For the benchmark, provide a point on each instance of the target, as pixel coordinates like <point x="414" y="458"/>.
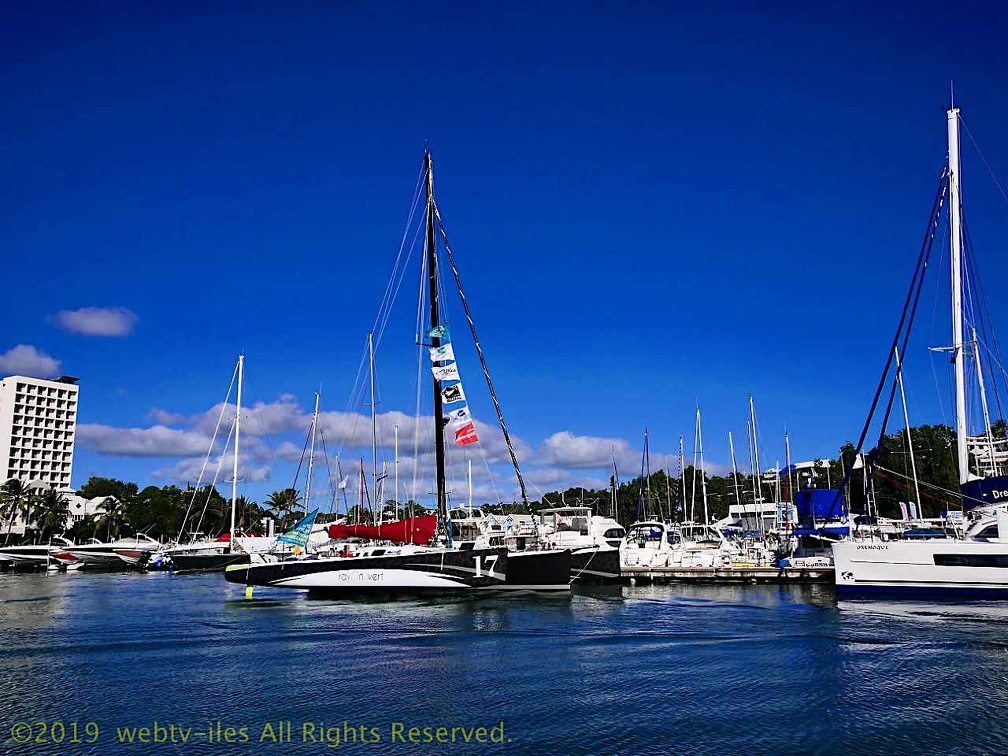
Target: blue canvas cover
<point x="820" y="504"/>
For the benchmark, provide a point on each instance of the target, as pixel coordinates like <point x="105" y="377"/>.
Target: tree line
<point x="169" y="512"/>
<point x="883" y="476"/>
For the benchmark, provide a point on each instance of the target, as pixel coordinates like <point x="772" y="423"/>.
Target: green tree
<point x="26" y="505"/>
<point x="54" y="510"/>
<point x="11" y="496"/>
<point x="112" y="518"/>
<point x="358" y="515"/>
<point x="96" y="486"/>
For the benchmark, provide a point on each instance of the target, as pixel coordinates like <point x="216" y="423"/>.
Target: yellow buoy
<point x="248" y="591"/>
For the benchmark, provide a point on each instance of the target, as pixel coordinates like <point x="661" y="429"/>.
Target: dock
<point x="752" y="575"/>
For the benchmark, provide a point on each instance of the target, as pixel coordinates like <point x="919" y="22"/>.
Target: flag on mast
<point x="442" y="353"/>
<point x="466" y="435"/>
<point x="453" y="393"/>
<point x="445" y="372"/>
<point x="460" y="417"/>
<point x="440" y="332"/>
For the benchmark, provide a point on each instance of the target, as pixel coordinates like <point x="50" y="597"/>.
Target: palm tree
<point x="55" y="511"/>
<point x="282" y="503"/>
<point x="113" y="518"/>
<point x="10" y="502"/>
<point x="24" y="505"/>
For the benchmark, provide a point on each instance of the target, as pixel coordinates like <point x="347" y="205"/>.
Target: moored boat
<point x="436" y="566"/>
<point x="976" y="564"/>
<point x="37" y="555"/>
<point x="124" y="552"/>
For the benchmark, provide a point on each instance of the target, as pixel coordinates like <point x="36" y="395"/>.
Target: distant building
<point x="38" y="424"/>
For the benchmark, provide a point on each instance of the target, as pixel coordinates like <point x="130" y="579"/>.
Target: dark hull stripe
<point x="482" y="569"/>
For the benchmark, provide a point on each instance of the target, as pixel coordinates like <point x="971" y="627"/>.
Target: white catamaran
<point x="976" y="565"/>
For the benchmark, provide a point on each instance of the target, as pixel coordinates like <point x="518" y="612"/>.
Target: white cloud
<point x="261" y="419"/>
<point x="157" y="441"/>
<point x="288" y="452"/>
<point x="164" y="417"/>
<point x="187" y="471"/>
<point x="25" y="359"/>
<point x="564" y="449"/>
<point x="96" y="321"/>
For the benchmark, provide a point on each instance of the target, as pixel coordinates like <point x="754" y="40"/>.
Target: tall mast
<point x="615" y="479"/>
<point x="647" y="458"/>
<point x="787" y="464"/>
<point x="703" y="474"/>
<point x="734" y="472"/>
<point x="783" y="511"/>
<point x="993" y="468"/>
<point x="234" y="472"/>
<point x="668" y="490"/>
<point x="374" y="421"/>
<point x="955" y="210"/>
<point x="435" y="321"/>
<point x="397" y="471"/>
<point x="311" y="453"/>
<point x="682" y="473"/>
<point x="909" y="440"/>
<point x="696" y="444"/>
<point x="758" y="483"/>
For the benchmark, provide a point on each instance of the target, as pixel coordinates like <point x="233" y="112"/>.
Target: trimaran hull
<point x="595" y="565"/>
<point x="431" y="571"/>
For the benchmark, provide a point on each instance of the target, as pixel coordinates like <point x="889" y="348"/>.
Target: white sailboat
<point x="975" y="565"/>
<point x="214" y="556"/>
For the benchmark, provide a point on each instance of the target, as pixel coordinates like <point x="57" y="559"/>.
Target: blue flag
<point x="298" y="535"/>
<point x="441" y="332"/>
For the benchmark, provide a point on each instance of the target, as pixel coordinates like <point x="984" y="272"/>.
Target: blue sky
<point x="654" y="206"/>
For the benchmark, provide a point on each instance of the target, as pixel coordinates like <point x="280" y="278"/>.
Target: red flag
<point x="466" y="435"/>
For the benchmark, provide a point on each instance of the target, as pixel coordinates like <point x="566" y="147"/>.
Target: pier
<point x="738" y="574"/>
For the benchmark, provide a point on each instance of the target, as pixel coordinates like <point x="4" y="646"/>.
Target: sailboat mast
<point x="435" y="321"/>
<point x="682" y="474"/>
<point x="647" y="457"/>
<point x="993" y="469"/>
<point x="311" y="454"/>
<point x="758" y="481"/>
<point x="703" y="474"/>
<point x="234" y="471"/>
<point x="615" y="480"/>
<point x="668" y="490"/>
<point x="955" y="215"/>
<point x="374" y="422"/>
<point x="734" y="472"/>
<point x="397" y="471"/>
<point x="909" y="440"/>
<point x="790" y="480"/>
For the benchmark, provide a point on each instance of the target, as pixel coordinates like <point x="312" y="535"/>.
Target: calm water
<point x="678" y="669"/>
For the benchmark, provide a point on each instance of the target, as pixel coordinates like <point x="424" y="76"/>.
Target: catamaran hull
<point x="936" y="567"/>
<point x="441" y="570"/>
<point x="595" y="565"/>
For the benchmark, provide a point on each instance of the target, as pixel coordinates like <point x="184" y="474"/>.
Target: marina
<point x="603" y="670"/>
<point x="604" y="379"/>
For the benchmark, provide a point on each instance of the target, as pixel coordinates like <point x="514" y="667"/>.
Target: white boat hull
<point x="934" y="566"/>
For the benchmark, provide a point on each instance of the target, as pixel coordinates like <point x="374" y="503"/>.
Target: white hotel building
<point x="38" y="423"/>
